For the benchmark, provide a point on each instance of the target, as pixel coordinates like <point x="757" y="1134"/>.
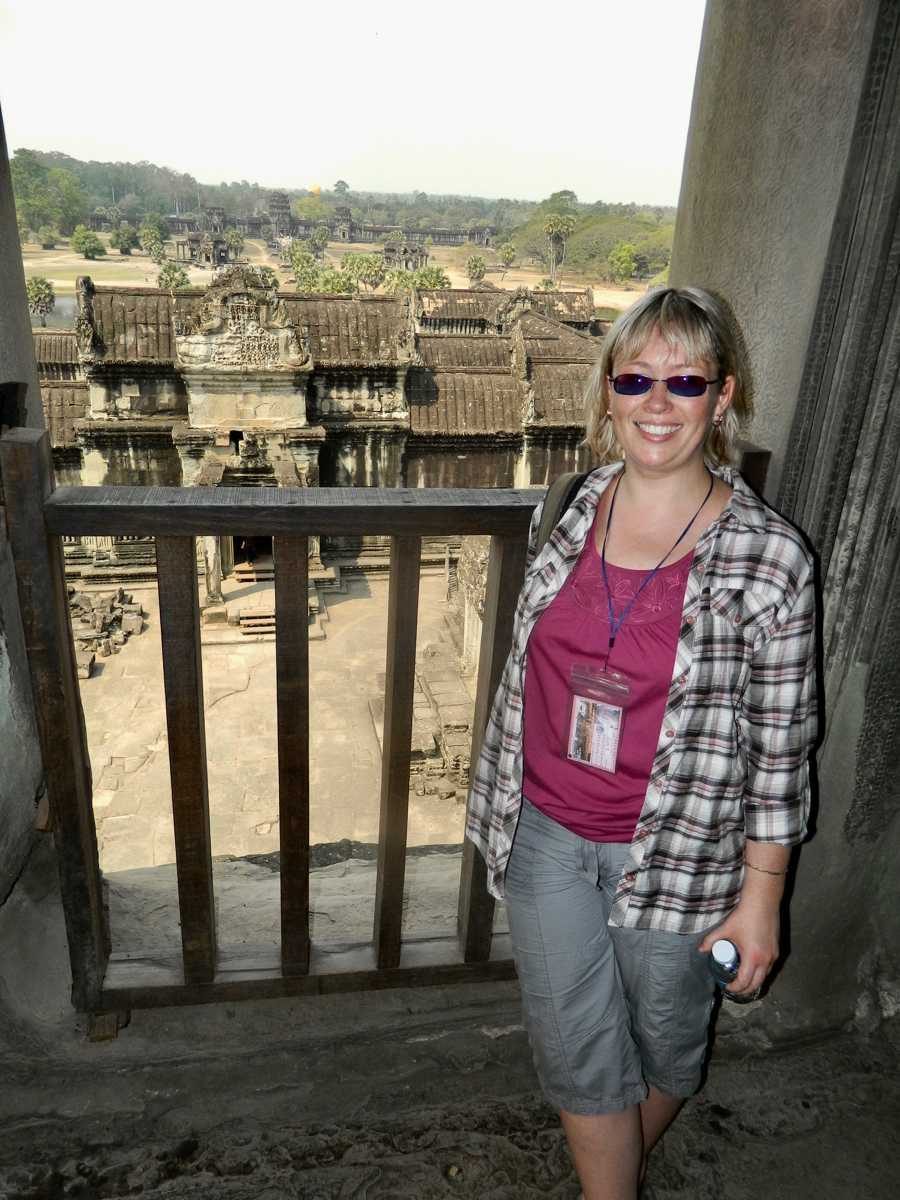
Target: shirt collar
<point x="745" y="506"/>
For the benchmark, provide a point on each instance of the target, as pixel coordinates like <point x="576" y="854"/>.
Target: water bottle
<point x="724" y="961"/>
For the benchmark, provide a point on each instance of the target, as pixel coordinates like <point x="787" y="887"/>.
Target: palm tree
<point x="41" y="297"/>
<point x="558" y="229"/>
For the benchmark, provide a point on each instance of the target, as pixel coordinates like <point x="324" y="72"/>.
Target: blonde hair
<point x="704" y="327"/>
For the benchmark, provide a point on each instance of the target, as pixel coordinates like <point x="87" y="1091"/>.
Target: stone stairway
<point x="258" y="622"/>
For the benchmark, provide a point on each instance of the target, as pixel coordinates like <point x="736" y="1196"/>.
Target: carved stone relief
<point x="240" y="324"/>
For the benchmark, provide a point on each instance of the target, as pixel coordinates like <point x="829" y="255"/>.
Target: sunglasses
<point x="686" y="386"/>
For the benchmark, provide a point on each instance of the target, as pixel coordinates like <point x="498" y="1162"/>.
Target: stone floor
<point x="124" y="713"/>
<point x="418" y="1094"/>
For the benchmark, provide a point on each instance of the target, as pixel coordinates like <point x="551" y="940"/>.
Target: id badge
<point x="597" y="702"/>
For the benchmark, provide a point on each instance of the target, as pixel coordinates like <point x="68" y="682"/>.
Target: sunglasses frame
<point x="667" y="381"/>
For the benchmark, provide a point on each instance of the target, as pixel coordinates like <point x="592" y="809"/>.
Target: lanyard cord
<point x="615" y="624"/>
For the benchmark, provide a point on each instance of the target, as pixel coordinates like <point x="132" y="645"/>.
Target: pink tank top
<point x="574" y="628"/>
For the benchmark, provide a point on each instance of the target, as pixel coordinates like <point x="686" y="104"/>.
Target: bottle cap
<point x="724" y="952"/>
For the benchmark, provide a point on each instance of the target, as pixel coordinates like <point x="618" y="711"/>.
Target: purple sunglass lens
<point x="632" y="384"/>
<point x="686" y="385"/>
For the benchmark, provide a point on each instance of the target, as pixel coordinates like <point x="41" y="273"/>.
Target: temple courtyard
<point x="125" y="718"/>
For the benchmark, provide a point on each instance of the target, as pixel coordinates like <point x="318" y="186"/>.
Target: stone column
<point x="777" y="91"/>
<point x="789" y="207"/>
<point x="192" y="446"/>
<point x="20" y="404"/>
<point x="303" y="445"/>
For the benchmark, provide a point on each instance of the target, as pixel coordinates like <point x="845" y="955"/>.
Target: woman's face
<point x="659" y="432"/>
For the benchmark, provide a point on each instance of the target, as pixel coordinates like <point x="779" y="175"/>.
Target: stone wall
<point x="789" y="208"/>
<point x="21" y="777"/>
<point x="775" y="102"/>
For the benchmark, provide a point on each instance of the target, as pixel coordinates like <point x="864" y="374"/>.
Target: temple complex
<point x="404" y="255"/>
<point x="279" y="222"/>
<point x="237" y="383"/>
<point x="203" y="249"/>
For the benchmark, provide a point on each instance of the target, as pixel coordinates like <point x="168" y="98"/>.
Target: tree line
<point x="56" y="196"/>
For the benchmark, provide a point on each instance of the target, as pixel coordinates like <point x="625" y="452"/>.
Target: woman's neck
<point x="663" y="492"/>
<point x="650" y="510"/>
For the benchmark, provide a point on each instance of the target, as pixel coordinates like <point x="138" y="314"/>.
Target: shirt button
<point x="737" y="620"/>
<point x="630" y="876"/>
<point x="670" y="733"/>
<point x="688" y="620"/>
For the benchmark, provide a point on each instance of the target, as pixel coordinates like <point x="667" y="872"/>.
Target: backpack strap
<point x="560" y="494"/>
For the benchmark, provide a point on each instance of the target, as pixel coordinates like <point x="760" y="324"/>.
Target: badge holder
<point x="598" y="699"/>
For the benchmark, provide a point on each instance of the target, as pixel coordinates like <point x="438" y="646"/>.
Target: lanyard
<point x="616" y="623"/>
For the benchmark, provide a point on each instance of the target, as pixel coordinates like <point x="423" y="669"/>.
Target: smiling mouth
<point x="656" y="430"/>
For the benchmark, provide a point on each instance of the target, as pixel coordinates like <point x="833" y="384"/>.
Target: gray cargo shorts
<point x="608" y="1011"/>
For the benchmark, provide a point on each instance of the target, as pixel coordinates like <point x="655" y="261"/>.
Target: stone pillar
<point x="192" y="446"/>
<point x="302" y="445"/>
<point x="789" y="207"/>
<point x="777" y="91"/>
<point x="20" y="398"/>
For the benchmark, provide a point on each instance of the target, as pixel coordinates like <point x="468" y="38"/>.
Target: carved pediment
<point x="239" y="325"/>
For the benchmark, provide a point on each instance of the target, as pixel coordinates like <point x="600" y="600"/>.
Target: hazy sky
<point x="489" y="98"/>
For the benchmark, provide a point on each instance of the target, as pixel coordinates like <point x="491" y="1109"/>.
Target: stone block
<point x="214" y="614"/>
<point x="84" y="665"/>
<point x="455" y="716"/>
<point x="132" y="623"/>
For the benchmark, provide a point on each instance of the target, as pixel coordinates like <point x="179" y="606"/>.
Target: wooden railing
<point x="40" y="516"/>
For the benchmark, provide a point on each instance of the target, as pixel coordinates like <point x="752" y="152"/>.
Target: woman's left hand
<point x="754" y="927"/>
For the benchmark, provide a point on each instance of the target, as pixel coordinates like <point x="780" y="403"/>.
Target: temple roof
<point x="452" y="403"/>
<point x="558" y="391"/>
<point x="134" y="324"/>
<point x="460" y="304"/>
<point x="577" y="307"/>
<point x="549" y="338"/>
<point x="54" y="346"/>
<point x="349" y="330"/>
<point x="527" y="367"/>
<point x="464" y="350"/>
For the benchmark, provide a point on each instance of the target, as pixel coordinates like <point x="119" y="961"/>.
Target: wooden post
<point x="28" y="476"/>
<point x="179" y="620"/>
<point x="403" y="605"/>
<point x="506" y="569"/>
<point x="292" y="683"/>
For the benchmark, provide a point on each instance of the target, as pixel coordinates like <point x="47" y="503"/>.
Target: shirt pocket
<point x="735" y="624"/>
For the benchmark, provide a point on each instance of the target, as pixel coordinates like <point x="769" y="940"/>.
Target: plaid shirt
<point x="731" y="762"/>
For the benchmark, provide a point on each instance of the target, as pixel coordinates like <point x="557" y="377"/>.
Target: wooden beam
<point x="403" y="611"/>
<point x="506" y="570"/>
<point x="179" y="619"/>
<point x="254" y="973"/>
<point x="28" y="475"/>
<point x="292" y="685"/>
<point x="297" y="512"/>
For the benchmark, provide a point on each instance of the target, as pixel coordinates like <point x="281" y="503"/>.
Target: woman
<point x="644" y="771"/>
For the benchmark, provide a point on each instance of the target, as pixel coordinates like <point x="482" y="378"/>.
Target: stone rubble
<point x="101" y="624"/>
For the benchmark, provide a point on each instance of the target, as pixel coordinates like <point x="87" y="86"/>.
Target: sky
<point x="483" y="98"/>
